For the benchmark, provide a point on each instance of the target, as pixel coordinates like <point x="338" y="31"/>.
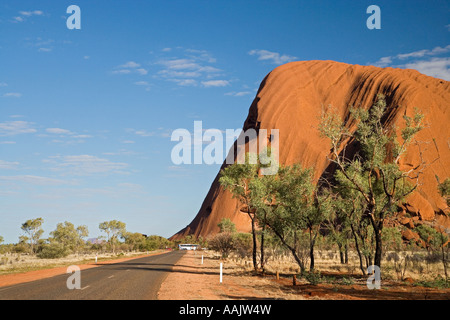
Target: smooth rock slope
<point x="291" y="99"/>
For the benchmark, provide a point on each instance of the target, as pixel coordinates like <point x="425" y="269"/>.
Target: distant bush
<point x="223" y="243"/>
<point x="313" y="277"/>
<point x="243" y="244"/>
<point x="438" y="282"/>
<point x="53" y="251"/>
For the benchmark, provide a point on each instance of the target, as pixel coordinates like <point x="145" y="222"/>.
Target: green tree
<point x="136" y="240"/>
<point x="226" y="225"/>
<point x="33" y="228"/>
<point x="435" y="241"/>
<point x="113" y="229"/>
<point x="290" y="206"/>
<point x="374" y="171"/>
<point x="236" y="178"/>
<point x="70" y="237"/>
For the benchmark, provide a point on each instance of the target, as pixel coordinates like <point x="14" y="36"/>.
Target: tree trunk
<point x="294" y="253"/>
<point x="262" y="248"/>
<point x="378" y="247"/>
<point x="346" y="254"/>
<point x="444" y="262"/>
<point x="312" y="241"/>
<point x="357" y="250"/>
<point x="377" y="227"/>
<point x="341" y="254"/>
<point x="255" y="263"/>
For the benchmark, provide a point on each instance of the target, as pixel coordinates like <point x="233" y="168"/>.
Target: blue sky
<point x="86" y="115"/>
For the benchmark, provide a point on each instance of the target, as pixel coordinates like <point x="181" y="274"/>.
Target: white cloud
<point x="216" y="83"/>
<point x="190" y="68"/>
<point x="45" y="49"/>
<point x="81" y="136"/>
<point x="182" y="64"/>
<point x="422" y="61"/>
<point x="10" y="128"/>
<point x="7" y="142"/>
<point x="35" y="180"/>
<point x="3" y="84"/>
<point x="12" y="95"/>
<point x="141" y="71"/>
<point x="385" y="61"/>
<point x="144" y="133"/>
<point x="58" y="131"/>
<point x="123" y="71"/>
<point x="83" y="165"/>
<point x="436" y="67"/>
<point x="67" y="136"/>
<point x="238" y="94"/>
<point x="185" y="82"/>
<point x="130" y="67"/>
<point x="130" y="64"/>
<point x="273" y="57"/>
<point x="27" y="14"/>
<point x="31" y="13"/>
<point x="8" y="164"/>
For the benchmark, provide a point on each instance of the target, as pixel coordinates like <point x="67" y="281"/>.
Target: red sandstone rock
<point x="291" y="99"/>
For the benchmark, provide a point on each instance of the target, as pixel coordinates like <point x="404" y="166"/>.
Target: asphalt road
<point x="137" y="279"/>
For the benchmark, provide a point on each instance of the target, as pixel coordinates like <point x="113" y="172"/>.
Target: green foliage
<point x="438" y="282"/>
<point x="392" y="237"/>
<point x="33" y="228"/>
<point x="52" y="250"/>
<point x="432" y="238"/>
<point x="242" y="244"/>
<point x="70" y="237"/>
<point x="113" y="229"/>
<point x="313" y="277"/>
<point x="237" y="177"/>
<point x="226" y="225"/>
<point x="135" y="240"/>
<point x="444" y="190"/>
<point x="370" y="181"/>
<point x="155" y="242"/>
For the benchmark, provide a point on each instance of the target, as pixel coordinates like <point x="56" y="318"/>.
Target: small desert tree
<point x="70" y="237"/>
<point x="290" y="206"/>
<point x="113" y="230"/>
<point x="226" y="225"/>
<point x="33" y="228"/>
<point x="374" y="172"/>
<point x="237" y="178"/>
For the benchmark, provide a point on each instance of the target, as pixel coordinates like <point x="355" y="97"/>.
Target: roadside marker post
<point x="221" y="268"/>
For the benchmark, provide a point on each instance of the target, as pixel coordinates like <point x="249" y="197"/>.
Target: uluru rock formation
<point x="291" y="98"/>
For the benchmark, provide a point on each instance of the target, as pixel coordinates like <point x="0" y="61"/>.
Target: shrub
<point x="438" y="282"/>
<point x="53" y="251"/>
<point x="222" y="243"/>
<point x="313" y="277"/>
